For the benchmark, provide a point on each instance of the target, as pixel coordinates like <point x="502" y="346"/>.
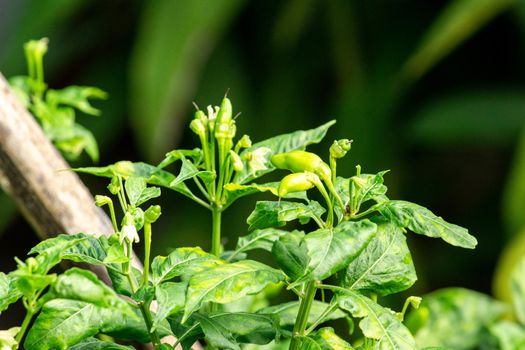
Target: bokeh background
<point x="433" y="90"/>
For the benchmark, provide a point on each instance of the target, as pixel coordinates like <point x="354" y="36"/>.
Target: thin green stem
<point x="201" y="188"/>
<point x="147" y="250"/>
<point x="368" y="211"/>
<point x="330" y="217"/>
<point x="113" y="217"/>
<point x="216" y="230"/>
<point x="25" y="324"/>
<point x="321" y="317"/>
<point x="302" y="316"/>
<point x="144" y="308"/>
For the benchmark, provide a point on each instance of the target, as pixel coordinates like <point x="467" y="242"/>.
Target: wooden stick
<point x="32" y="171"/>
<point x="52" y="200"/>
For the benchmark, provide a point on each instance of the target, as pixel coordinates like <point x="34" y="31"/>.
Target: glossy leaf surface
<point x="228" y="282"/>
<point x="422" y="221"/>
<point x="378" y="323"/>
<point x="259" y="239"/>
<point x="170" y="298"/>
<point x="385" y="266"/>
<point x="331" y="250"/>
<point x="291" y="253"/>
<point x="324" y="339"/>
<point x="181" y="261"/>
<point x="276" y="214"/>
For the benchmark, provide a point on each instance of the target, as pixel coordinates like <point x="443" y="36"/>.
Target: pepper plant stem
<point x="216" y="230"/>
<point x="144" y="308"/>
<point x="302" y="315"/>
<point x="27" y="319"/>
<point x="147" y="250"/>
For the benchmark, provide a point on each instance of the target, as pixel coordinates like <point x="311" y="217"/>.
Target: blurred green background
<point x="433" y="90"/>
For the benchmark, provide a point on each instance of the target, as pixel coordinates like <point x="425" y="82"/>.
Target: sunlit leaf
<point x="331" y="250"/>
<point x="385" y="266"/>
<point x="278" y="213"/>
<point x="378" y="323"/>
<point x="181" y="261"/>
<point x="422" y="221"/>
<point x="228" y="282"/>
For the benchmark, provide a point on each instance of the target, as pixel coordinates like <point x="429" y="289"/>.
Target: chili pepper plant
<point x="337" y="241"/>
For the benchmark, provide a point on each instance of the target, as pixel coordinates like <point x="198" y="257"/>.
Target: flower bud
<point x="114" y="186"/>
<point x="152" y="214"/>
<point x="236" y="161"/>
<point x="101" y="201"/>
<point x="244" y="142"/>
<point x="198" y="127"/>
<point x="340" y="147"/>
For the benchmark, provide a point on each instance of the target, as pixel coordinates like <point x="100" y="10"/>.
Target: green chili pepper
<point x="298" y="161"/>
<point x="297" y="182"/>
<point x="223" y="122"/>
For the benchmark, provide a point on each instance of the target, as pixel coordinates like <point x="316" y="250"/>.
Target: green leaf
<point x="167" y="59"/>
<point x="324" y="339"/>
<point x="275" y="214"/>
<point x="228" y="330"/>
<point x="7" y="338"/>
<point x="216" y="334"/>
<point x="115" y="254"/>
<point x="228" y="282"/>
<point x="331" y="250"/>
<point x="79" y="247"/>
<point x="378" y="323"/>
<point x="181" y="261"/>
<point x="152" y="174"/>
<point x="458" y="21"/>
<point x="170" y="298"/>
<point x="518" y="291"/>
<point x="96" y="344"/>
<point x="31" y="283"/>
<point x="137" y="191"/>
<point x="385" y="266"/>
<point x="510" y="336"/>
<point x="77" y="97"/>
<point x="9" y="293"/>
<point x="173" y="156"/>
<point x="120" y="283"/>
<point x="188" y="333"/>
<point x="83" y="285"/>
<point x="287" y="312"/>
<point x="63" y="323"/>
<point x="453" y="317"/>
<point x="297" y="140"/>
<point x="367" y="187"/>
<point x="233" y="191"/>
<point x="291" y="253"/>
<point x="259" y="239"/>
<point x="422" y="221"/>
